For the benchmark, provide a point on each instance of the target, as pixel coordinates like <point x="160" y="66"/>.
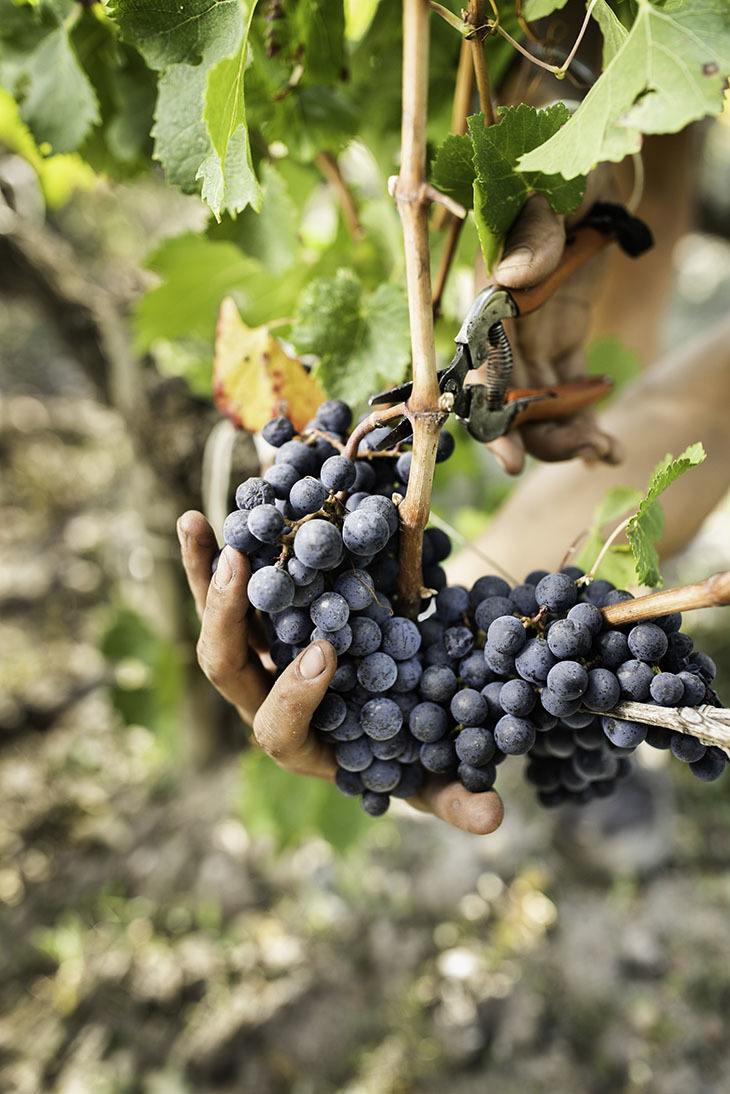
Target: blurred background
<point x="178" y="915"/>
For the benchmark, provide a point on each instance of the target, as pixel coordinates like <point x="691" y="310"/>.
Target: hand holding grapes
<point x="280" y="710"/>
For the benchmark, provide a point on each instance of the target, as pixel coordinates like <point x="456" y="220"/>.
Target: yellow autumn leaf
<point x="254" y="379"/>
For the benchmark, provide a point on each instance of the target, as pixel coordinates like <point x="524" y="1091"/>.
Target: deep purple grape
<point x="648" y="642"/>
<point x="635" y="679"/>
<point x="514" y="736"/>
<point x="556" y="592"/>
<point x="271" y="590"/>
<point x="666" y="689"/>
<point x="439" y="757"/>
<point x="236" y="533"/>
<point x="475" y="745"/>
<point x="377" y="672"/>
<point x="278" y="431"/>
<point x="476" y="780"/>
<point x="428" y="722"/>
<point x="686" y="748"/>
<point x="254" y="491"/>
<point x="374" y="804"/>
<point x="517" y="697"/>
<point x="438" y="684"/>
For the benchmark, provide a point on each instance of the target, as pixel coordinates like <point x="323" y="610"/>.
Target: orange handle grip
<point x="579" y="248"/>
<point x="562" y="399"/>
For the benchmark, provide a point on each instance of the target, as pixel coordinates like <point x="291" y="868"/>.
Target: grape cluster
<point x="483" y="674"/>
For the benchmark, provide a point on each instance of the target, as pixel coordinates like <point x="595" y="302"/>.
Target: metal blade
<point x="396" y="436"/>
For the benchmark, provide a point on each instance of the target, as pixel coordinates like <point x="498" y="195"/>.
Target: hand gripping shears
<point x="492" y="408"/>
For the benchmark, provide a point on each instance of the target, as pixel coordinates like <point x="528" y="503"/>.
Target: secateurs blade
<point x="492" y="408"/>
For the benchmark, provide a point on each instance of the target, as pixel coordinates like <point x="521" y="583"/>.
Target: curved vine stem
<point x="714" y="592"/>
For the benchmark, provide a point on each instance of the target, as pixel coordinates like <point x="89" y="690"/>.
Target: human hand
<point x="279" y="709"/>
<point x="548" y="345"/>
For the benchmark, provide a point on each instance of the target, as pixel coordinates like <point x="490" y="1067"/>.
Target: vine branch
<point x="412" y="199"/>
<point x="330" y="168"/>
<point x="712" y="593"/>
<point x="708" y="724"/>
<point x="472" y="53"/>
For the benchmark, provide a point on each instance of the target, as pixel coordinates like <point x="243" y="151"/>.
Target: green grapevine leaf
<point x="200" y="131"/>
<point x="452" y="170"/>
<point x="196" y="274"/>
<point x="59" y="176"/>
<point x="181" y="139"/>
<point x="169" y="32"/>
<point x="272" y="235"/>
<point x="645" y="527"/>
<point x="227" y="172"/>
<point x="321" y="25"/>
<point x="617" y="565"/>
<point x="502" y="187"/>
<point x="40" y="66"/>
<point x="613" y="31"/>
<point x="670" y="70"/>
<point x="59" y="104"/>
<point x="361" y="340"/>
<point x="538" y="9"/>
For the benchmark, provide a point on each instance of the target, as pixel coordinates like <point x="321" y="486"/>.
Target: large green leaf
<point x="500" y="187"/>
<point x="39" y="64"/>
<point x="361" y="339"/>
<point x="196" y="274"/>
<point x="670" y="70"/>
<point x="452" y="170"/>
<point x="181" y="139"/>
<point x="497" y="151"/>
<point x="613" y="31"/>
<point x="227" y="174"/>
<point x="169" y="32"/>
<point x="200" y="47"/>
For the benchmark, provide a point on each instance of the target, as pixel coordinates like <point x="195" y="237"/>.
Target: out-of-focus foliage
<point x="259" y="107"/>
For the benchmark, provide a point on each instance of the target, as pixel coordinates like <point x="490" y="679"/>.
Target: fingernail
<point x="520" y="256"/>
<point x="224" y="570"/>
<point x="312" y="663"/>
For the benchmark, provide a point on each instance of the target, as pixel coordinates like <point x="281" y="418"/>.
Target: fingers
<point x="281" y="725"/>
<point x="223" y="650"/>
<point x="509" y="452"/>
<point x="198" y="546"/>
<point x="479" y="814"/>
<point x="534" y="246"/>
<point x="578" y="436"/>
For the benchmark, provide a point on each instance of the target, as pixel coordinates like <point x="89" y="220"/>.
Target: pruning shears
<point x="493" y="408"/>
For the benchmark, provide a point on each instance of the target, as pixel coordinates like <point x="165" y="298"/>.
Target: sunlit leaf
<point x="669" y="71"/>
<point x="254" y="378"/>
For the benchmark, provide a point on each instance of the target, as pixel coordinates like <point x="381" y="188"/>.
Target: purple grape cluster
<point x="498" y="670"/>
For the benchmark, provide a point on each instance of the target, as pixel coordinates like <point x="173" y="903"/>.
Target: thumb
<point x="281" y="725"/>
<point x="534" y="245"/>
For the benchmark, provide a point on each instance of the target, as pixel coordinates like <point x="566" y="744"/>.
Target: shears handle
<point x="584" y="244"/>
<point x="604" y="223"/>
<point x="559" y="400"/>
